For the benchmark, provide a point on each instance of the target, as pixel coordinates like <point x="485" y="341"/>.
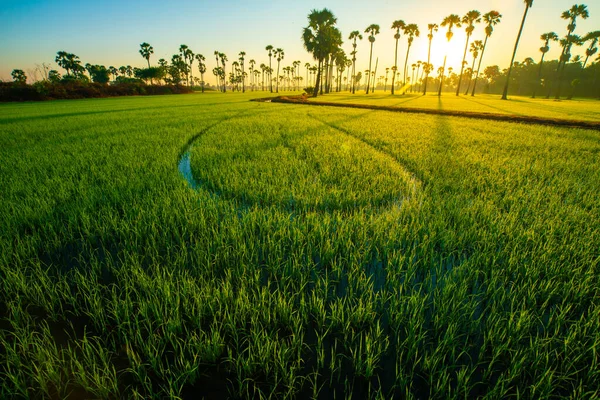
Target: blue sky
<point x="109" y="32"/>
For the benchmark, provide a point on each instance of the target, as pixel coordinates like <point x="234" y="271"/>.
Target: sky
<point x="109" y="32"/>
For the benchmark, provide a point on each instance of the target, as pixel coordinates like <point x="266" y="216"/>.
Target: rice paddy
<point x="205" y="246"/>
<point x="580" y="109"/>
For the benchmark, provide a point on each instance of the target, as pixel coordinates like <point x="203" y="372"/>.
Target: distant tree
<point x="428" y="67"/>
<point x="113" y="71"/>
<point x="123" y="70"/>
<point x="476" y="47"/>
<point x="354" y="36"/>
<point x="70" y="62"/>
<point x="469" y="20"/>
<point x="372" y="30"/>
<point x="410" y="30"/>
<point x="54" y="76"/>
<point x="320" y="38"/>
<point x="491" y="19"/>
<point x="577" y="10"/>
<point x="99" y="74"/>
<point x="450" y="21"/>
<point x="397" y="25"/>
<point x="146" y="51"/>
<point x="269" y="49"/>
<point x="242" y="59"/>
<point x="252" y="63"/>
<point x="279" y="54"/>
<point x="546" y="37"/>
<point x="593" y="38"/>
<point x="19" y="76"/>
<point x="528" y="5"/>
<point x="201" y="68"/>
<point x="223" y="59"/>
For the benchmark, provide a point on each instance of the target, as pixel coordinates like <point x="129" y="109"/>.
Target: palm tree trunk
<point x="316" y="90"/>
<point x="512" y="60"/>
<point x="462" y="66"/>
<point x="277" y="76"/>
<point x="442" y="77"/>
<point x="353" y="75"/>
<point x="395" y="66"/>
<point x="479" y="66"/>
<point x="470" y="76"/>
<point x="539" y="79"/>
<point x="427" y="75"/>
<point x="370" y="60"/>
<point x="270" y="75"/>
<point x="405" y="64"/>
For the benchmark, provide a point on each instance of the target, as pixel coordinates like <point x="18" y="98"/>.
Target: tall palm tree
<point x="201" y="68"/>
<point x="397" y="25"/>
<point x="546" y="37"/>
<point x="431" y="28"/>
<point x="270" y="48"/>
<point x="450" y="21"/>
<point x="418" y="69"/>
<point x="252" y="80"/>
<point x="372" y="30"/>
<point x="242" y="59"/>
<point x="491" y="19"/>
<point x="320" y="38"/>
<point x="577" y="10"/>
<point x="263" y="68"/>
<point x="528" y="5"/>
<point x="593" y="38"/>
<point x="354" y="36"/>
<point x="410" y="30"/>
<point x="279" y="55"/>
<point x="476" y="47"/>
<point x="469" y="19"/>
<point x="223" y="59"/>
<point x="146" y="51"/>
<point x="307" y="67"/>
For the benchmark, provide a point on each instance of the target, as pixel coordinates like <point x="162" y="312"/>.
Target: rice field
<point x="579" y="109"/>
<point x="205" y="246"/>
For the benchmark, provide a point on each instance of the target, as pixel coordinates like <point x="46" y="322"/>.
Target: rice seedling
<point x="309" y="253"/>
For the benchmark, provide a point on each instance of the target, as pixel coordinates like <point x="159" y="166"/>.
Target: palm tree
<point x="476" y="47"/>
<point x="270" y="48"/>
<point x="469" y="20"/>
<point x="410" y="30"/>
<point x="432" y="28"/>
<point x="263" y="68"/>
<point x="320" y="38"/>
<point x="114" y="72"/>
<point x="491" y="19"/>
<point x="397" y="25"/>
<point x="450" y="21"/>
<point x="146" y="51"/>
<point x="372" y="30"/>
<point x="252" y="75"/>
<point x="418" y="69"/>
<point x="279" y="55"/>
<point x="307" y="67"/>
<point x="546" y="37"/>
<point x="593" y="38"/>
<point x="528" y="5"/>
<point x="201" y="68"/>
<point x="354" y="35"/>
<point x="412" y="79"/>
<point x="242" y="59"/>
<point x="577" y="10"/>
<point x="223" y="59"/>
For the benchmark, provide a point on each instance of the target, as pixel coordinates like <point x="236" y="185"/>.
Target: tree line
<point x="334" y="70"/>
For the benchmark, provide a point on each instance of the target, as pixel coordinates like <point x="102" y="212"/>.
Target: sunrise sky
<point x="109" y="32"/>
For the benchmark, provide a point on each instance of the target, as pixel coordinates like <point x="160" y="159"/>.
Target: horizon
<point x="36" y="31"/>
